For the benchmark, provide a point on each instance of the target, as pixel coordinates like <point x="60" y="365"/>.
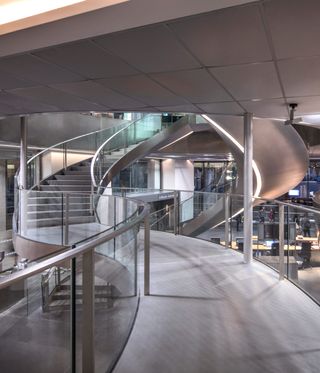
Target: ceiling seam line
<point x="267" y="30"/>
<point x="203" y="66"/>
<point x="140" y="72"/>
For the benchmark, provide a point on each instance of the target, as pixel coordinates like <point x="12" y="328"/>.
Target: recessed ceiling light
<point x="14" y="10"/>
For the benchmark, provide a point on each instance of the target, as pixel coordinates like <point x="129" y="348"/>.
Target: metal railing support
<point x="73" y="315"/>
<point x="88" y="360"/>
<point x="147" y="256"/>
<point x="176" y="212"/>
<point x="66" y="220"/>
<point x="281" y="242"/>
<point x="227" y="220"/>
<point x="248" y="189"/>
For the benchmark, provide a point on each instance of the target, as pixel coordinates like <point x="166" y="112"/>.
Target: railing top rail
<point x="106" y="142"/>
<point x="74" y="252"/>
<point x="66" y="142"/>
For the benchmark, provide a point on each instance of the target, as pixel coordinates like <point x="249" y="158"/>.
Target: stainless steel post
<point x="281" y="242"/>
<point x="65" y="157"/>
<point x="88" y="360"/>
<point x="175" y="211"/>
<point x="227" y="220"/>
<point x="146" y="256"/>
<point x="23" y="207"/>
<point x="23" y="152"/>
<point x="248" y="188"/>
<point x="66" y="220"/>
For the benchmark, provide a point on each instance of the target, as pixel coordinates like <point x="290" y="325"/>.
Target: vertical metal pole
<point x="281" y="242"/>
<point x="65" y="159"/>
<point x="136" y="263"/>
<point x="227" y="220"/>
<point x="175" y="211"/>
<point x="248" y="188"/>
<point x="66" y="220"/>
<point x="88" y="359"/>
<point x="146" y="256"/>
<point x="73" y="315"/>
<point x="114" y="224"/>
<point x="23" y="152"/>
<point x="23" y="175"/>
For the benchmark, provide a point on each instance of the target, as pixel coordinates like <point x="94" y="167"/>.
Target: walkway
<point x="209" y="313"/>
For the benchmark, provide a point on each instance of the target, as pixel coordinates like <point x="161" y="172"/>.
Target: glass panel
<point x="35" y="333"/>
<point x="303" y="262"/>
<point x="116" y="296"/>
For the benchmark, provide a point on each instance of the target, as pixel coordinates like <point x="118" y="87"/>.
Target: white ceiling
<point x="256" y="57"/>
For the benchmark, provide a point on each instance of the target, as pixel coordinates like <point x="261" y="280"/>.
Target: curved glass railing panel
<point x="126" y="139"/>
<point x="122" y="142"/>
<point x="64" y="154"/>
<point x="54" y="291"/>
<point x="67" y="218"/>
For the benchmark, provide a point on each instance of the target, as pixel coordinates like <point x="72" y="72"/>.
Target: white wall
<point x="52" y="162"/>
<point x="153" y="174"/>
<point x="177" y="174"/>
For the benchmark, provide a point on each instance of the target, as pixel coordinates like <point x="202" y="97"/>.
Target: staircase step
<point x="56" y="198"/>
<point x="72" y="176"/>
<point x="76" y="172"/>
<point x="50" y="222"/>
<point x="32" y="215"/>
<point x="68" y="182"/>
<point x="66" y="188"/>
<point x="40" y="207"/>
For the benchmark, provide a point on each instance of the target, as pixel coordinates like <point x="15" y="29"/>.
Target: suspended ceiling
<point x="256" y="57"/>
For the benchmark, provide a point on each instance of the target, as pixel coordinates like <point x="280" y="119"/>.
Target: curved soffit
<point x="280" y="154"/>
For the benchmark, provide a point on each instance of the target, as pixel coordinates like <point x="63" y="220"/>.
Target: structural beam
<point x="248" y="188"/>
<point x="23" y="153"/>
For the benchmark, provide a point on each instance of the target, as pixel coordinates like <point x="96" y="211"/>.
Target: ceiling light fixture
<point x="15" y="10"/>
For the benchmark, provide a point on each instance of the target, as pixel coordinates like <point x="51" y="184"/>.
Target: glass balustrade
<point x="56" y="308"/>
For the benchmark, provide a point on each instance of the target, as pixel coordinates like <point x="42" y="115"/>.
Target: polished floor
<point x="209" y="312"/>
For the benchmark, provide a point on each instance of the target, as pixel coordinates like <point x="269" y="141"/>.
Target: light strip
<point x="180" y="138"/>
<point x="241" y="148"/>
<point x="20" y="9"/>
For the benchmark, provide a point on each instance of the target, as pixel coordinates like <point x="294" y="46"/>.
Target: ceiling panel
<point x="300" y="77"/>
<point x="275" y="108"/>
<point x="12" y="104"/>
<point x="188" y="108"/>
<point x="246" y="82"/>
<point x="99" y="94"/>
<point x="150" y="49"/>
<point x="194" y="85"/>
<point x="87" y="59"/>
<point x="295" y="27"/>
<point x="61" y="100"/>
<point x="144" y="89"/>
<point x="8" y="81"/>
<point x="226" y="37"/>
<point x="307" y="105"/>
<point x="221" y="108"/>
<point x="33" y="69"/>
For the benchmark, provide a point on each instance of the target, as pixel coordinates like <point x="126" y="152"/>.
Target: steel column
<point x="147" y="256"/>
<point x="248" y="188"/>
<point x="88" y="360"/>
<point x="281" y="242"/>
<point x="227" y="220"/>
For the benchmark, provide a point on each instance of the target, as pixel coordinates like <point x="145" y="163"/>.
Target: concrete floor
<point x="209" y="313"/>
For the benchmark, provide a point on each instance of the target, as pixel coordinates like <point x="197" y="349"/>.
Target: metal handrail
<point x="103" y="145"/>
<point x="74" y="252"/>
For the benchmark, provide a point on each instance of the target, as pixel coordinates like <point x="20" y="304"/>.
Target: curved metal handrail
<point x="103" y="145"/>
<point x="65" y="142"/>
<point x="75" y="251"/>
